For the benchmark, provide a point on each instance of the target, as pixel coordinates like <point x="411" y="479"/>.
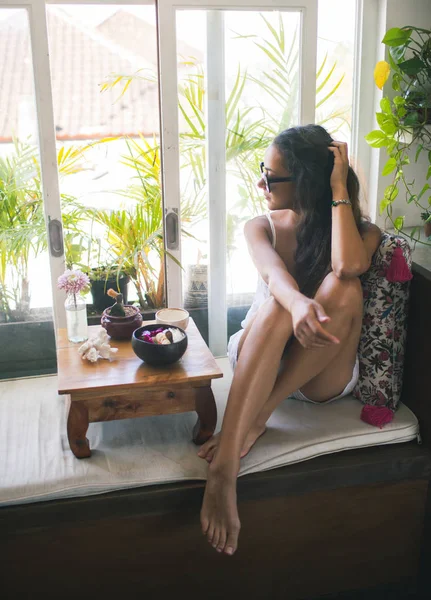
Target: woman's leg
<point x="254" y="393"/>
<point x="207" y="450"/>
<point x="346" y="310"/>
<point x="253" y="381"/>
<point x="336" y="297"/>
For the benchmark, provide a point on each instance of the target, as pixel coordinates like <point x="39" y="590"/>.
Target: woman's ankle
<point x="224" y="468"/>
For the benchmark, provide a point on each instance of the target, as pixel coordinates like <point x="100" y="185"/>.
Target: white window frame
<point x="369" y="21"/>
<point x="36" y="10"/>
<point x="369" y="30"/>
<point x="46" y="133"/>
<point x="166" y="10"/>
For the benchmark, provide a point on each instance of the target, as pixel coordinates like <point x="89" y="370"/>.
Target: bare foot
<point x="208" y="449"/>
<point x="219" y="514"/>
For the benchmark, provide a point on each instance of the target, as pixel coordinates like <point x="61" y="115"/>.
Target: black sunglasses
<point x="269" y="180"/>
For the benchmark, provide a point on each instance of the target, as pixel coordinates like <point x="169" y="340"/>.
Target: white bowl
<point x="173" y="316"/>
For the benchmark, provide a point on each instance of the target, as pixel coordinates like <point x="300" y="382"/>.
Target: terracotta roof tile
<point x="80" y="60"/>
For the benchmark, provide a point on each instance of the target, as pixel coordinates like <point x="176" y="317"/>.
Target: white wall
<point x="397" y="13"/>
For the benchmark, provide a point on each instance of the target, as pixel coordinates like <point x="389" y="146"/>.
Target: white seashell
<point x="85" y="347"/>
<point x="92" y="355"/>
<point x="97" y="347"/>
<point x="104" y="350"/>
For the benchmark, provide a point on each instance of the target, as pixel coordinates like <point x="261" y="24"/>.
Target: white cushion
<point x="37" y="464"/>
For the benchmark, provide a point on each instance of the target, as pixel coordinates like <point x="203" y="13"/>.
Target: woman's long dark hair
<point x="306" y="156"/>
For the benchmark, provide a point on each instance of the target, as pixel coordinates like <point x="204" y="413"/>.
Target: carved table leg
<point x="77" y="425"/>
<point x="207" y="415"/>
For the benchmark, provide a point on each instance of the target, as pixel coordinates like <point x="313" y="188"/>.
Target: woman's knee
<point x="275" y="314"/>
<point x="342" y="294"/>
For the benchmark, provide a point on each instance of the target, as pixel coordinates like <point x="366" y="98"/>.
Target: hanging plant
<point x="405" y="120"/>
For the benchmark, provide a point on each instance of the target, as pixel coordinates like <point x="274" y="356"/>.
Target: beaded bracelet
<point x="337" y="202"/>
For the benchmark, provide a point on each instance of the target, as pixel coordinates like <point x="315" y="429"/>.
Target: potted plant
<point x="28" y="341"/>
<point x="102" y="279"/>
<point x="405" y="117"/>
<point x="134" y="233"/>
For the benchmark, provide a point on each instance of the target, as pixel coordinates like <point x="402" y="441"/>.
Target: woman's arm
<point x="352" y="250"/>
<point x="307" y="314"/>
<point x="269" y="263"/>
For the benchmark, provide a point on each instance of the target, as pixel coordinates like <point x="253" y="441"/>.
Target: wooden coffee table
<point x="126" y="387"/>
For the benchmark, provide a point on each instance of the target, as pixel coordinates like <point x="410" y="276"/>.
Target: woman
<point x="302" y="332"/>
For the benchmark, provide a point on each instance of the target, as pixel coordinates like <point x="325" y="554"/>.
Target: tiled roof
<point x="117" y="28"/>
<point x="81" y="59"/>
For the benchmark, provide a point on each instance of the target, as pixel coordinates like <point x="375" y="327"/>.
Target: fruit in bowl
<point x="159" y="345"/>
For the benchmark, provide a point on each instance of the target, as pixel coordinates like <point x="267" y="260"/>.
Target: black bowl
<point x="158" y="355"/>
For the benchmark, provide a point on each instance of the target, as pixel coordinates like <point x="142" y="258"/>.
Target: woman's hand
<point x="307" y="315"/>
<point x="341" y="166"/>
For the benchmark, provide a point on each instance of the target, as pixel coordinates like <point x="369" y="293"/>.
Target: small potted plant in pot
<point x="120" y="320"/>
<point x="102" y="279"/>
<point x="426" y="218"/>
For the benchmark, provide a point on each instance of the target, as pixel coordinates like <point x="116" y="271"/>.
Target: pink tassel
<point x="398" y="270"/>
<point x="376" y="415"/>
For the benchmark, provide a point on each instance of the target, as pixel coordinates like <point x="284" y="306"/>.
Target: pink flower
<point x="73" y="281"/>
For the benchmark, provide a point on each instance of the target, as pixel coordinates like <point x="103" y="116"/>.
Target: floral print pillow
<point x="381" y="349"/>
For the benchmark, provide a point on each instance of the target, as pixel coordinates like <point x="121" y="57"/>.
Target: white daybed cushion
<point x="37" y="464"/>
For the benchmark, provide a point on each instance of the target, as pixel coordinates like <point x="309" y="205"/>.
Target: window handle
<point x="55" y="237"/>
<point x="171" y="226"/>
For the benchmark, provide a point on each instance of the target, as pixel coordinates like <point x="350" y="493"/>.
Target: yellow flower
<point x="381" y="73"/>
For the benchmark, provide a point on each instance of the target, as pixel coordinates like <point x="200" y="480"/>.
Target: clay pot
<point x="121" y="328"/>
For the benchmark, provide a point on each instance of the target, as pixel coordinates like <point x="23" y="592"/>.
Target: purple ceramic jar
<point x="121" y="328"/>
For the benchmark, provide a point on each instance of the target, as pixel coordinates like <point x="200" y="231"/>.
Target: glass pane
<point x="26" y="319"/>
<point x="335" y="59"/>
<point x="106" y="108"/>
<point x="261" y="80"/>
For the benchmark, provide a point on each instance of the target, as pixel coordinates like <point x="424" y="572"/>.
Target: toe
<point x="232" y="539"/>
<point x="222" y="541"/>
<point x="216" y="537"/>
<point x="210" y="533"/>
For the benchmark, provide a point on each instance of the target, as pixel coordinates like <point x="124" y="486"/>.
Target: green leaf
<point x="418" y="151"/>
<point x="412" y="66"/>
<point x="423" y="190"/>
<point x="399" y="223"/>
<point x="396" y="36"/>
<point x="388" y="127"/>
<point x="384" y="204"/>
<point x="398" y="101"/>
<point x="397" y="52"/>
<point x="385" y="105"/>
<point x="391" y="192"/>
<point x="389" y="166"/>
<point x="429" y="200"/>
<point x="411" y="119"/>
<point x="428" y="173"/>
<point x="386" y="123"/>
<point x="376" y="139"/>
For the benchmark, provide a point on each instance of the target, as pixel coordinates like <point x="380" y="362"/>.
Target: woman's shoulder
<point x="283" y="220"/>
<point x="366" y="227"/>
